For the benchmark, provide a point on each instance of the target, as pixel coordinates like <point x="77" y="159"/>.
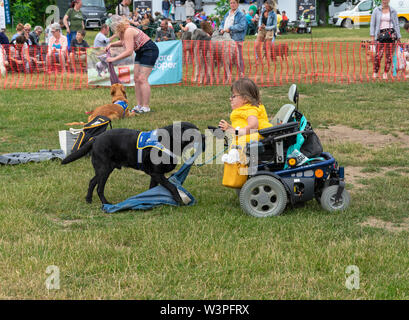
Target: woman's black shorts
<point x="147" y="54"/>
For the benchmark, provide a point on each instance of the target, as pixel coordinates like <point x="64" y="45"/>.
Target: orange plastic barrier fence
<point x="220" y="63"/>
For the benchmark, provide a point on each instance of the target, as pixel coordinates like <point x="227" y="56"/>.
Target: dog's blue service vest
<point x="124" y="106"/>
<point x="149" y="139"/>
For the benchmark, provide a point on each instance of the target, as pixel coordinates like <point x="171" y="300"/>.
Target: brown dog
<point x="277" y="50"/>
<point x="112" y="111"/>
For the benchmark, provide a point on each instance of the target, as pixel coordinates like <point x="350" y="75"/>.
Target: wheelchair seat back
<point x="283" y="115"/>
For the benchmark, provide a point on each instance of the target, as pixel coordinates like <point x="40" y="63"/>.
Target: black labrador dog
<point x="117" y="148"/>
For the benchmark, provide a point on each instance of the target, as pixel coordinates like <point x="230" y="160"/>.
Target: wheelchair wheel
<point x="328" y="199"/>
<point x="263" y="196"/>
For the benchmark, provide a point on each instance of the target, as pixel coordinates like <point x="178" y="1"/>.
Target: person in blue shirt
<point x="267" y="27"/>
<point x="165" y="8"/>
<point x="251" y="27"/>
<point x="235" y="24"/>
<point x="3" y="37"/>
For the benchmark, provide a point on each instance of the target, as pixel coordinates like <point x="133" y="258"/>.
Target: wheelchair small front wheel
<point x="263" y="196"/>
<point x="329" y="202"/>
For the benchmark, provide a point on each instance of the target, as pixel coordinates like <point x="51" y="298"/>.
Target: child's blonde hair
<point x="247" y="88"/>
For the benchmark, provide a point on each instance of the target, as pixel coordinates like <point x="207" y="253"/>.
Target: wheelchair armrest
<point x="291" y="126"/>
<point x="289" y="135"/>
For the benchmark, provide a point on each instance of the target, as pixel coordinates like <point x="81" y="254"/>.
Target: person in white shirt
<point x="190" y="26"/>
<point x="190" y="8"/>
<point x="101" y="39"/>
<point x="180" y="10"/>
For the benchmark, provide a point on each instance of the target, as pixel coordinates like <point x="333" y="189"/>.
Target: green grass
<point x="212" y="250"/>
<point x="330" y="33"/>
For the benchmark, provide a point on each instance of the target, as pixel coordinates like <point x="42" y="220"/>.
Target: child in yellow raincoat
<point x="248" y="114"/>
<point x="247" y="117"/>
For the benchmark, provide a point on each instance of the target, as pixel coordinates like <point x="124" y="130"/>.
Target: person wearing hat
<point x="57" y="46"/>
<point x="253" y="6"/>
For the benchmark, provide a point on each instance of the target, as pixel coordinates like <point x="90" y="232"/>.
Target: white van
<point x="361" y="13"/>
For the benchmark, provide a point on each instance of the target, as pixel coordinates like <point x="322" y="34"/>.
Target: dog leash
<point x="113" y="77"/>
<point x="214" y="157"/>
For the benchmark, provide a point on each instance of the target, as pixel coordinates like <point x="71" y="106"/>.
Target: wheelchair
<point x="289" y="167"/>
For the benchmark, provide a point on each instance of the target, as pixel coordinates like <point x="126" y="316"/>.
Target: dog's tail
<point x="79" y="153"/>
<point x="75" y="124"/>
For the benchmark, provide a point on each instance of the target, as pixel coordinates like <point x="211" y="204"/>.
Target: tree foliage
<point x="32" y="12"/>
<point x="222" y="7"/>
<point x="23" y="12"/>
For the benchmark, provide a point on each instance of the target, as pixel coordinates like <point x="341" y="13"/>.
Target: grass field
<point x="212" y="250"/>
<point x="330" y="33"/>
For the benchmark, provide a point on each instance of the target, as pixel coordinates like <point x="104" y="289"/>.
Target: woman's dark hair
<point x="82" y="32"/>
<point x="248" y="89"/>
<point x="21" y="39"/>
<point x="206" y="27"/>
<point x="73" y="3"/>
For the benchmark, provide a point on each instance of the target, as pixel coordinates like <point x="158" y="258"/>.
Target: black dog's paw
<point x="88" y="200"/>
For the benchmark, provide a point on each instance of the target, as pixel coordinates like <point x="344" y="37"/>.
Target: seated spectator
<point x="284" y="16"/>
<point x="26" y="32"/>
<point x="47" y="32"/>
<point x="3" y="37"/>
<point x="147" y="19"/>
<point x="147" y="24"/>
<point x="164" y="33"/>
<point x="135" y="19"/>
<point x="211" y="21"/>
<point x="158" y="17"/>
<point x="253" y="6"/>
<point x="251" y="24"/>
<point x="19" y="56"/>
<point x="35" y="35"/>
<point x="170" y="25"/>
<point x="203" y="16"/>
<point x="189" y="27"/>
<point x="57" y="47"/>
<point x="78" y="48"/>
<point x="279" y="19"/>
<point x="19" y="32"/>
<point x="101" y="39"/>
<point x="284" y="23"/>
